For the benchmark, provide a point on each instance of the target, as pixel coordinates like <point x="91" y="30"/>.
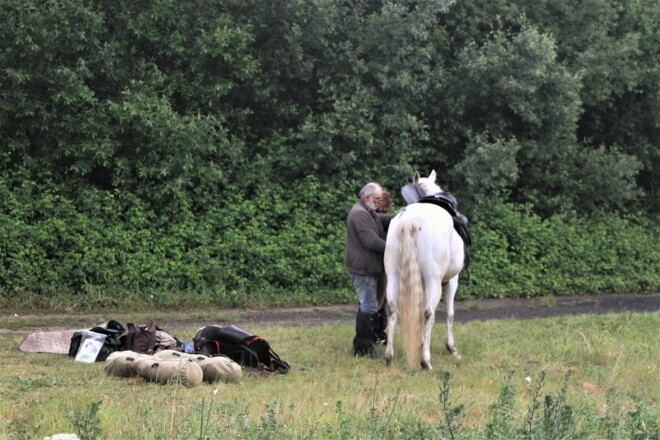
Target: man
<point x="363" y="258"/>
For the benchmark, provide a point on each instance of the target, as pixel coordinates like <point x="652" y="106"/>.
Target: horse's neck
<point x="430" y="189"/>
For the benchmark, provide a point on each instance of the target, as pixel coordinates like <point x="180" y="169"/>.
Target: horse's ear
<point x="432" y="176"/>
<point x="416" y="176"/>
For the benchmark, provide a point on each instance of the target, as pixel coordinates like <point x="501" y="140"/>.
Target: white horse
<point x="423" y="258"/>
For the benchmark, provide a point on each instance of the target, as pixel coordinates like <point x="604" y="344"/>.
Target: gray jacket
<point x="365" y="240"/>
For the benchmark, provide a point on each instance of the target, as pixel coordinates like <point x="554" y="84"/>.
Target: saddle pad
<point x="57" y="342"/>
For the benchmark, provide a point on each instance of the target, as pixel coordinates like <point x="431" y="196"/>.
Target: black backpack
<point x="239" y="345"/>
<point x="112" y="331"/>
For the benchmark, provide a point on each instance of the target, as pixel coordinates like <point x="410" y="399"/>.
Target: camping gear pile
<point x="217" y="353"/>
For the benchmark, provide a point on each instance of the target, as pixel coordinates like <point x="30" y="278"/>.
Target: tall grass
<point x="568" y="377"/>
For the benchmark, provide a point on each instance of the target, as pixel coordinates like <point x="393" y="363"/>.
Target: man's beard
<point x="372" y="205"/>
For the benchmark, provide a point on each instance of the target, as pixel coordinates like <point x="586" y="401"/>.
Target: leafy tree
<point x="513" y="87"/>
<point x="51" y="53"/>
<point x="487" y="174"/>
<point x="613" y="46"/>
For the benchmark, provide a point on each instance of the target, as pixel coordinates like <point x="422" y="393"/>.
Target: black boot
<point x="365" y="338"/>
<point x="380" y="325"/>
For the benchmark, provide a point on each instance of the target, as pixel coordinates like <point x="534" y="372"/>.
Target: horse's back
<point x="438" y="243"/>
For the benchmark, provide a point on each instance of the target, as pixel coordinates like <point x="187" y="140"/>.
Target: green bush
<point x="281" y="246"/>
<point x="517" y="253"/>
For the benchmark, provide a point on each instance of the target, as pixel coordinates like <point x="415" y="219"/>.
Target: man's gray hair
<point x="369" y="189"/>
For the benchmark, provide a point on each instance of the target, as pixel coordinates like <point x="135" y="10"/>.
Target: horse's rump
<point x="438" y="247"/>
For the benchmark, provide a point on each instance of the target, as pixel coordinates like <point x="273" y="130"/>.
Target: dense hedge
<point x="516" y="253"/>
<point x="280" y="247"/>
<point x="277" y="247"/>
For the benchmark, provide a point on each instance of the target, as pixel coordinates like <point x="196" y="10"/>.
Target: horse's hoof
<point x="426" y="365"/>
<point x="388" y="361"/>
<point x="450" y="349"/>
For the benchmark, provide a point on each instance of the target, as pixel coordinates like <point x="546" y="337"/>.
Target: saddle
<point x="447" y="201"/>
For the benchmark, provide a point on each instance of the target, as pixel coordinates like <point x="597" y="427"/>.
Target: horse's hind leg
<point x="449" y="291"/>
<point x="391" y="323"/>
<point x="432" y="294"/>
<point x="429" y="320"/>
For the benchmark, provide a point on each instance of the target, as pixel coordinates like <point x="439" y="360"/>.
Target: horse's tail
<point x="411" y="290"/>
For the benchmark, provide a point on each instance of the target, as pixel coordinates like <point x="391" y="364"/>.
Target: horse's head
<point x="427" y="184"/>
<point x="420" y="188"/>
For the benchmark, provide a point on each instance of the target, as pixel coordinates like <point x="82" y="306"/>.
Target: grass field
<point x="569" y="377"/>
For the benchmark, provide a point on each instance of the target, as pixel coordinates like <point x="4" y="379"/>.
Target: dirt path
<point x="482" y="309"/>
<point x="468" y="310"/>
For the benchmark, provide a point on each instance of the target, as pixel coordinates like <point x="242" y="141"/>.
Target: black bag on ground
<point x="239" y="345"/>
<point x="112" y="331"/>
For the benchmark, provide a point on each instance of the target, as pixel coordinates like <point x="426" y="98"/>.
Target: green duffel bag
<point x="112" y="331"/>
